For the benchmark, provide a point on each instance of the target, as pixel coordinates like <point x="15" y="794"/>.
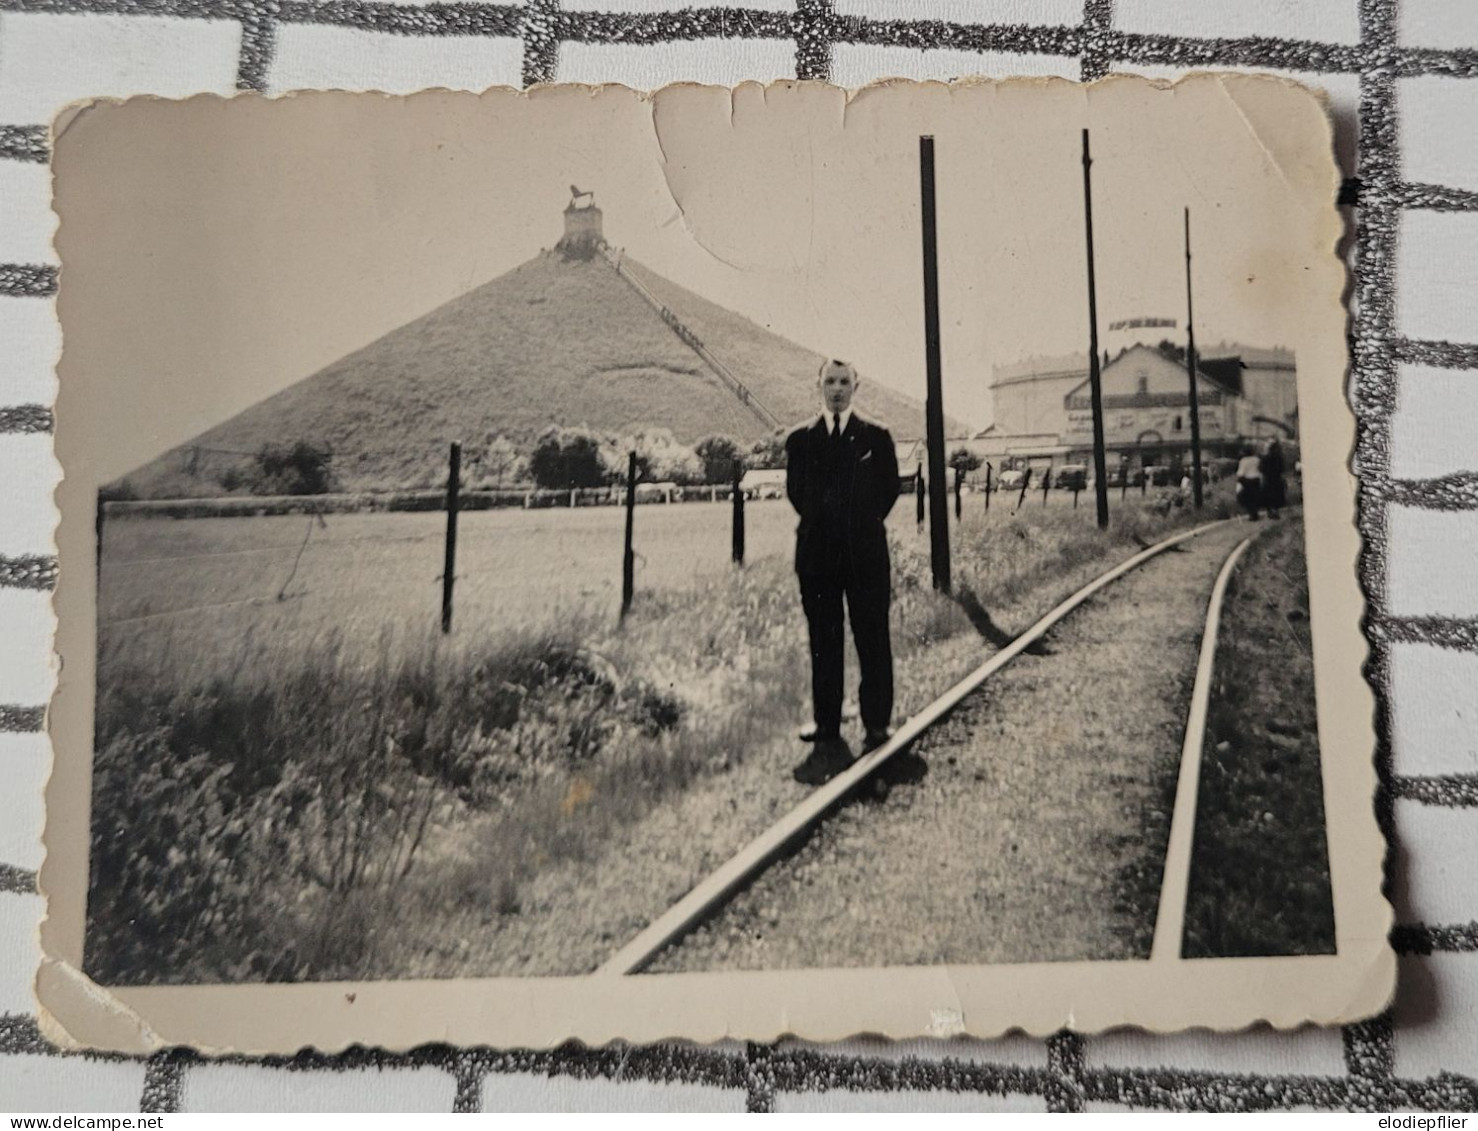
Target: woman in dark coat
<point x="1274" y="490"/>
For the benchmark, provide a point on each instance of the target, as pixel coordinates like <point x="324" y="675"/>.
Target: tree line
<point x="559" y="458"/>
<point x="562" y="458"/>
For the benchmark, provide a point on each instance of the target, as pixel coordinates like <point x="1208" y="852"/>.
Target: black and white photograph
<point x="716" y="563"/>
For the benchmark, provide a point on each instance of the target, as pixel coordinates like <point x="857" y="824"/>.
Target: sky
<point x="217" y="251"/>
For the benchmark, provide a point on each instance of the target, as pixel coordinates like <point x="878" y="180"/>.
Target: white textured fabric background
<point x="1403" y="77"/>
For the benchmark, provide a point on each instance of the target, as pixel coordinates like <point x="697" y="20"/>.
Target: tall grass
<point x="1000" y="559"/>
<point x="731" y="652"/>
<point x="241" y="817"/>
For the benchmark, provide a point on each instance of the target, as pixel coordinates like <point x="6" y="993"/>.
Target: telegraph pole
<point x="1190" y="368"/>
<point x="1095" y="382"/>
<point x="934" y="403"/>
<point x="449" y="563"/>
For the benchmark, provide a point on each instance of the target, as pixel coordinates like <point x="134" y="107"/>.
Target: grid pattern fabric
<point x="1403" y="79"/>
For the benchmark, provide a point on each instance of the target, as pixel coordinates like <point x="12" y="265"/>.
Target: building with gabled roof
<point x="1043" y="406"/>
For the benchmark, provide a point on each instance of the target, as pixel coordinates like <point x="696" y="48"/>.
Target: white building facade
<point x="1246" y="396"/>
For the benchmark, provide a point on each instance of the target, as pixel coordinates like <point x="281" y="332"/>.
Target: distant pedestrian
<point x="1184" y="491"/>
<point x="842" y="478"/>
<point x="1274" y="488"/>
<point x="1249" y="484"/>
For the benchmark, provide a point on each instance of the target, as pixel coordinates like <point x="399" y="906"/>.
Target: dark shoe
<point x="826" y="761"/>
<point x="874" y="739"/>
<point x="813" y="733"/>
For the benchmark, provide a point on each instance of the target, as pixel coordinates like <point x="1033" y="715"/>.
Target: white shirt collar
<point x="826" y="420"/>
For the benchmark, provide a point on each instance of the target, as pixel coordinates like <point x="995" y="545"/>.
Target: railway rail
<point x="745" y="866"/>
<point x="1175" y="882"/>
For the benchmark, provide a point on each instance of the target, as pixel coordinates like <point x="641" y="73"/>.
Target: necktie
<point x="836" y="426"/>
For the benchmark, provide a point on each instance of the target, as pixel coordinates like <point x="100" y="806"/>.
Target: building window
<point x="1177" y="423"/>
<point x="1144" y="382"/>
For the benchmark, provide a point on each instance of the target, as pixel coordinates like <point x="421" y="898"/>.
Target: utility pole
<point x="1190" y="368"/>
<point x="1095" y="382"/>
<point x="934" y="403"/>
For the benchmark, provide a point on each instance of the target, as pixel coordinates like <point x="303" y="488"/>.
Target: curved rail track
<point x="731" y="877"/>
<point x="1175" y="882"/>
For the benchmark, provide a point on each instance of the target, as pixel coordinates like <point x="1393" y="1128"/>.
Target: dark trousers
<point x="867" y="608"/>
<point x="1249" y="494"/>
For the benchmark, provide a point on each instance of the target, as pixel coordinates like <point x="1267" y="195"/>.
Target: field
<point x="279" y="781"/>
<point x="515" y="568"/>
<point x="168" y="583"/>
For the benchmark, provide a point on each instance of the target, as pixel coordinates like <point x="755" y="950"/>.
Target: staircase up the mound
<point x="693" y="342"/>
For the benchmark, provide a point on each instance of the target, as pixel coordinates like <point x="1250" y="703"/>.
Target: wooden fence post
<point x="1046" y="484"/>
<point x="449" y="564"/>
<point x="628" y="558"/>
<point x="738" y="515"/>
<point x="1026" y="481"/>
<point x="959" y="481"/>
<point x="987" y="485"/>
<point x="918" y="490"/>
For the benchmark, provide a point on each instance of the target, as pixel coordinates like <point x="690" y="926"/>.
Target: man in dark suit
<point x="842" y="478"/>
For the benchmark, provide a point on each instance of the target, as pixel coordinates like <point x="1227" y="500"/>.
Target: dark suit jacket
<point x="842" y="496"/>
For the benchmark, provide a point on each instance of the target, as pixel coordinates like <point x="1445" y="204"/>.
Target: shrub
<point x="659" y="458"/>
<point x="303" y="469"/>
<point x="964" y="460"/>
<point x="720" y="456"/>
<point x="496" y="463"/>
<point x="769" y="451"/>
<point x="567" y="457"/>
